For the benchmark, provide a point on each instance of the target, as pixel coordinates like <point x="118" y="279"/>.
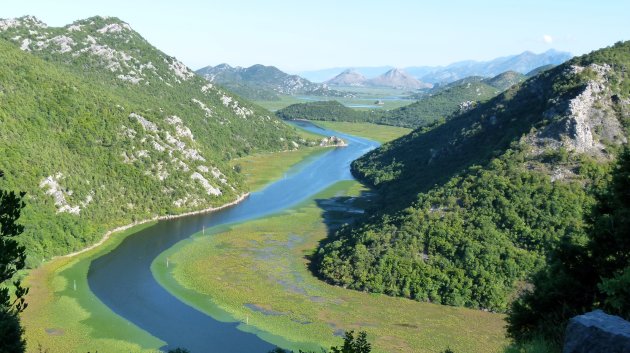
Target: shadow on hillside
<point x="422" y="160"/>
<point x="339" y="212"/>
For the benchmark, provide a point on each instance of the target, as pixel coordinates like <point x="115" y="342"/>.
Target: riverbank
<point x="156" y="218"/>
<point x="257" y="272"/>
<point x="376" y="132"/>
<point x="64" y="315"/>
<point x="261" y="169"/>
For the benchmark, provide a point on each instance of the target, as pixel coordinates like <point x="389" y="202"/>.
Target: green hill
<point x="505" y="80"/>
<point x="326" y="111"/>
<point x="101" y="129"/>
<point x="436" y="105"/>
<point x="470" y="208"/>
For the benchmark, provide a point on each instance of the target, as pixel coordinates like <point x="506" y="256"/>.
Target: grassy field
<point x="364" y="100"/>
<point x="380" y="133"/>
<point x="261" y="169"/>
<point x="65" y="316"/>
<point x="257" y="272"/>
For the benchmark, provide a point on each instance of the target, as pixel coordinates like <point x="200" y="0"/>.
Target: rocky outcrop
<point x="597" y="332"/>
<point x="585" y="123"/>
<point x="332" y="141"/>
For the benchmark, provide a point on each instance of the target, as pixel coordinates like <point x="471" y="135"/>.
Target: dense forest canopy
<point x="472" y="207"/>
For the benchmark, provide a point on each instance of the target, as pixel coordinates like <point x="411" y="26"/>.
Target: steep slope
<point x="102" y="129"/>
<point x="441" y="103"/>
<point x="349" y="77"/>
<point x="469" y="208"/>
<point x="264" y="82"/>
<point x="396" y="78"/>
<point x="538" y="70"/>
<point x="505" y="80"/>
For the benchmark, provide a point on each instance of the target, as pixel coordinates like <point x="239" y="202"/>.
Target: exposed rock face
<point x="466" y="106"/>
<point x="586" y="121"/>
<point x="597" y="332"/>
<point x="99" y="41"/>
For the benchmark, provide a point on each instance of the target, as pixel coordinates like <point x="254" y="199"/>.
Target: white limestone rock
<point x="146" y="124"/>
<point x="180" y="70"/>
<point x="114" y="28"/>
<point x="64" y="43"/>
<point x="211" y="190"/>
<point x="53" y="188"/>
<point x="204" y="107"/>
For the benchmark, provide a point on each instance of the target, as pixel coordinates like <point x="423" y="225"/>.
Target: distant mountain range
<point x="435" y="104"/>
<point x="326" y="74"/>
<point x="521" y="63"/>
<point x="394" y="78"/>
<point x="260" y="82"/>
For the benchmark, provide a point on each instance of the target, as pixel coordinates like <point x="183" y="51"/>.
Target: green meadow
<point x="375" y="132"/>
<point x="365" y="99"/>
<point x="261" y="169"/>
<point x="65" y="316"/>
<point x="257" y="272"/>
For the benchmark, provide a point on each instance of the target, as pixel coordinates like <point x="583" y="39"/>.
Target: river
<point x="122" y="279"/>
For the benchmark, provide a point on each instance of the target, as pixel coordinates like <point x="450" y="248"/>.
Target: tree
<point x="12" y="258"/>
<point x="583" y="274"/>
<point x="351" y="344"/>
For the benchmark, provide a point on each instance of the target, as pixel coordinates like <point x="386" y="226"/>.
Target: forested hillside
<point x="470" y="208"/>
<point x="101" y="129"/>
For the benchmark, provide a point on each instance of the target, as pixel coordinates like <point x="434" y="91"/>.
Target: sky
<point x="305" y="35"/>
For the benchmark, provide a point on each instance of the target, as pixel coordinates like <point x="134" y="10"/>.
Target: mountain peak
<point x="397" y="78"/>
<point x="108" y="43"/>
<point x="396" y="72"/>
<point x="24" y="21"/>
<point x="348" y="77"/>
<point x="223" y="66"/>
<point x="262" y="81"/>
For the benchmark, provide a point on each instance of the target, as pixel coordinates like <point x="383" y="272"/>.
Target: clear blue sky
<point x="298" y="35"/>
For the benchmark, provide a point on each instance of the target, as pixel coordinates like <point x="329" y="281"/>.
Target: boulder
<point x="597" y="332"/>
<point x="332" y="141"/>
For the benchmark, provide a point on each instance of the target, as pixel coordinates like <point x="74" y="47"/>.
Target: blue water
<point x="122" y="278"/>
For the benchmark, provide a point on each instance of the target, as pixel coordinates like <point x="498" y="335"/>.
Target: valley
<point x="333" y="178"/>
<point x="68" y="311"/>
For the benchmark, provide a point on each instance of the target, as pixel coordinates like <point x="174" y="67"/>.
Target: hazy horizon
<point x="303" y="37"/>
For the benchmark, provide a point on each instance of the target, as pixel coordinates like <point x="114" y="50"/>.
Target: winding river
<point x="122" y="278"/>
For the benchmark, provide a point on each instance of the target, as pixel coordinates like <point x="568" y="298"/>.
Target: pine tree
<point x="12" y="258"/>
